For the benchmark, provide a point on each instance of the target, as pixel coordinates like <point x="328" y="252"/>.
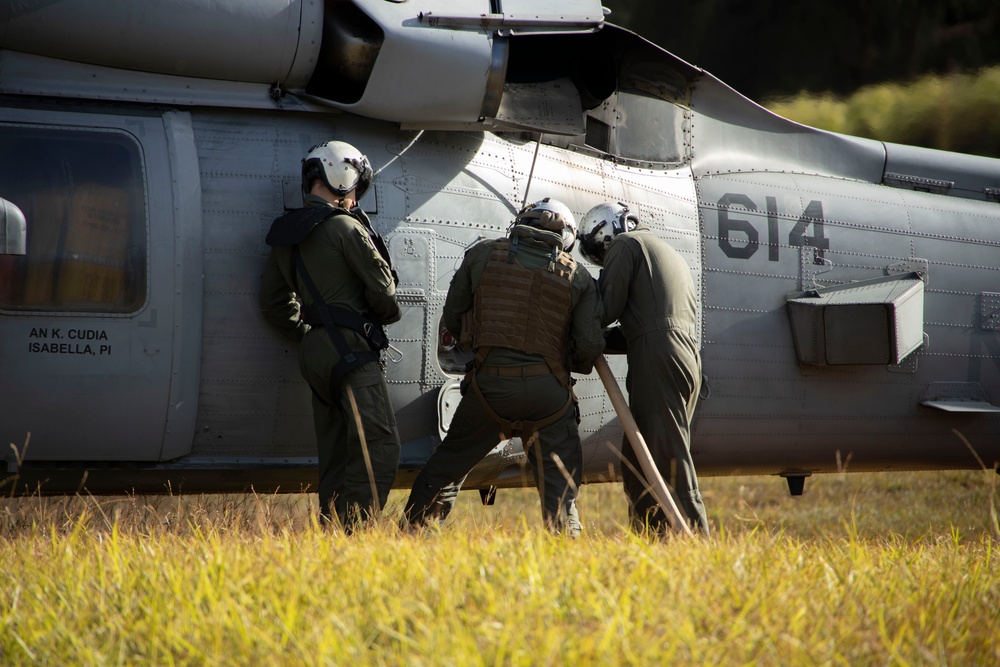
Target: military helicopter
<point x="849" y="288"/>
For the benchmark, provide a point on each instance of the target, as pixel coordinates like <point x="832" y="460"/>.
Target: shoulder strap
<point x="376" y="238"/>
<point x="293" y="227"/>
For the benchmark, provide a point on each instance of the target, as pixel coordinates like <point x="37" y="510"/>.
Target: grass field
<point x="862" y="569"/>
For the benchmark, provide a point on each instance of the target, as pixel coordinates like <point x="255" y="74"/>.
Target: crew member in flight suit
<point x="646" y="286"/>
<point x="531" y="316"/>
<point x="328" y="257"/>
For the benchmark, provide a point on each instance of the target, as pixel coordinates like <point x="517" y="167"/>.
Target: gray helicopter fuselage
<point x="849" y="289"/>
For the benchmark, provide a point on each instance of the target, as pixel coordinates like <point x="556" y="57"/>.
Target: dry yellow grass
<point x="862" y="569"/>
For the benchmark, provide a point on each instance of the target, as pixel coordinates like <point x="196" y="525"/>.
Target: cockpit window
<point x="82" y="196"/>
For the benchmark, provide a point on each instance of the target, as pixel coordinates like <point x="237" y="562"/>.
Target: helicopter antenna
<point x="399" y="154"/>
<point x="534" y="159"/>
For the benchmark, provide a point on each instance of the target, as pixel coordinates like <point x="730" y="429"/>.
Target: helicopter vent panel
<point x="877" y="321"/>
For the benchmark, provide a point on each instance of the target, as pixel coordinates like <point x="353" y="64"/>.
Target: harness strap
<point x="349" y="359"/>
<point x="359" y="214"/>
<point x="521" y="427"/>
<point x="510" y="428"/>
<point x="369" y="329"/>
<point x="560" y="372"/>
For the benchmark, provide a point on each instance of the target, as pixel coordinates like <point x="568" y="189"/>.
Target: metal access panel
<point x="879" y="321"/>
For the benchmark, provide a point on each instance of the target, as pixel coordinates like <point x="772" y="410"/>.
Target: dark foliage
<point x="767" y="48"/>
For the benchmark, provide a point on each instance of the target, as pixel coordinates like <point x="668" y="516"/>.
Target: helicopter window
<point x="81" y="193"/>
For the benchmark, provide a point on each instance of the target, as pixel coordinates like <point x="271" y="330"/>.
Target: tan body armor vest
<point x="528" y="310"/>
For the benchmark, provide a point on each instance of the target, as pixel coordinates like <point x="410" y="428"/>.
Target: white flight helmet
<point x="601" y="224"/>
<point x="552" y="216"/>
<point x="341" y="166"/>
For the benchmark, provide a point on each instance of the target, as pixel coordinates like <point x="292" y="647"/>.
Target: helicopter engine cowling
<point x="381" y="59"/>
<point x="252" y="41"/>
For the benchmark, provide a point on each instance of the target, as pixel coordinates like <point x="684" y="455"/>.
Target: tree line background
<point x="920" y="72"/>
<point x="772" y="48"/>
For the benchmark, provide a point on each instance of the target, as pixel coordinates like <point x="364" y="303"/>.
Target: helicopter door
<point x="95" y="364"/>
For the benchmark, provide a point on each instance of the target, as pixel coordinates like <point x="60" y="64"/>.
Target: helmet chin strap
<point x="345" y="201"/>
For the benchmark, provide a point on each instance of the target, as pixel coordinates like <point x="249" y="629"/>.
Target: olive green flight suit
<point x="473" y="432"/>
<point x="646" y="285"/>
<point x="350" y="274"/>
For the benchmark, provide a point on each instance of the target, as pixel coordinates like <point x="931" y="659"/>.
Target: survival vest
<point x="291" y="229"/>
